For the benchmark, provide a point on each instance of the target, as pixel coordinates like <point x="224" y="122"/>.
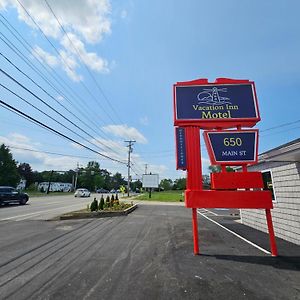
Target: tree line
<point x="90" y="177"/>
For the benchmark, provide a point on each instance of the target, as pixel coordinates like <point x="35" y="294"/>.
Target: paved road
<point x="43" y="208"/>
<point x="145" y="255"/>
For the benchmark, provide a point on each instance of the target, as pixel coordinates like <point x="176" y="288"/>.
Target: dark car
<point x="102" y="191"/>
<point x="9" y="194"/>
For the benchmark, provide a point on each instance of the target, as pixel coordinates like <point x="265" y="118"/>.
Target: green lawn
<point x="167" y="196"/>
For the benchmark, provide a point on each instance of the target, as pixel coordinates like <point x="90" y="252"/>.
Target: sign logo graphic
<point x="212" y="96"/>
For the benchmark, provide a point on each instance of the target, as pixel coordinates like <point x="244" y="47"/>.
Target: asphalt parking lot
<point x="145" y="255"/>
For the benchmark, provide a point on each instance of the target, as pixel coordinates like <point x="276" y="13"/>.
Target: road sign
<point x="150" y="180"/>
<point x="180" y="149"/>
<point x="216" y="105"/>
<point x="232" y="147"/>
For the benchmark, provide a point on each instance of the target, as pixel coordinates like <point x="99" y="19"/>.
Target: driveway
<point x="145" y="255"/>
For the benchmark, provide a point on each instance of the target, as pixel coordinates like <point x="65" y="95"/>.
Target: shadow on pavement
<point x="279" y="262"/>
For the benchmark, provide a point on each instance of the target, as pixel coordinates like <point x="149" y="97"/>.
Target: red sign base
<point x="228" y="199"/>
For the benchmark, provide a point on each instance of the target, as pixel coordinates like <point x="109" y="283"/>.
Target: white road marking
<point x="210" y="212"/>
<point x="38" y="212"/>
<point x="237" y="235"/>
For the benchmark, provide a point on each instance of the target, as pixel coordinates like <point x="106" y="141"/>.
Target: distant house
<point x="280" y="168"/>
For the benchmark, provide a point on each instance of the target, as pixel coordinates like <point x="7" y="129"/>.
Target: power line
<point x="18" y="53"/>
<point x="59" y="54"/>
<point x="44" y="113"/>
<point x="46" y="103"/>
<point x="53" y="109"/>
<point x="52" y="153"/>
<point x="82" y="60"/>
<point x="281" y="125"/>
<point x="60" y="81"/>
<point x="20" y="113"/>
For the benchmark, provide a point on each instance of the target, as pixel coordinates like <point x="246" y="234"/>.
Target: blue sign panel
<point x="234" y="146"/>
<point x="215" y="102"/>
<point x="180" y="147"/>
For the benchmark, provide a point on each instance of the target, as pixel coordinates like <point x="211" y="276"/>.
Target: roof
<point x="289" y="152"/>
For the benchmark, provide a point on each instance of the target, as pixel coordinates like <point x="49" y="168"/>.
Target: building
<point x="280" y="168"/>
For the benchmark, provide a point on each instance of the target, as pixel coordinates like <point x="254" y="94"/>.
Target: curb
<point x="87" y="215"/>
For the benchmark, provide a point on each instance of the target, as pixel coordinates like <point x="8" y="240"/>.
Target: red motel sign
<point x="223" y="104"/>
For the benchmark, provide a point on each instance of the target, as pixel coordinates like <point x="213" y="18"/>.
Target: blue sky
<point x="136" y="51"/>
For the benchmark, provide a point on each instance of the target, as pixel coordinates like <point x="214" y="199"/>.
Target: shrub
<point x="112" y="200"/>
<point x="94" y="205"/>
<point x="117" y="199"/>
<point x="101" y="204"/>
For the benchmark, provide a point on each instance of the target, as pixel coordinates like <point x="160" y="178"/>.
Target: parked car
<point x="102" y="191"/>
<point x="82" y="193"/>
<point x="9" y="195"/>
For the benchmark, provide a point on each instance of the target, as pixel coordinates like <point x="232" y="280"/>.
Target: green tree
<point x="117" y="180"/>
<point x="8" y="168"/>
<point x="214" y="168"/>
<point x="137" y="184"/>
<point x="25" y="172"/>
<point x="218" y="168"/>
<point x="101" y="204"/>
<point x="166" y="184"/>
<point x="179" y="184"/>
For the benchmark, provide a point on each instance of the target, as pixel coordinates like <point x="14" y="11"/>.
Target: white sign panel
<point x="150" y="180"/>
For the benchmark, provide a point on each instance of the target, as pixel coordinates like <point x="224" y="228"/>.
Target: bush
<point x="101" y="204"/>
<point x="94" y="205"/>
<point x="112" y="200"/>
<point x="117" y="199"/>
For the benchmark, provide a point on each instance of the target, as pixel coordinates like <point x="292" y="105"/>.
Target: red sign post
<point x="224" y="104"/>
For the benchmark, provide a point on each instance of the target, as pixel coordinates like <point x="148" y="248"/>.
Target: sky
<point x="101" y="72"/>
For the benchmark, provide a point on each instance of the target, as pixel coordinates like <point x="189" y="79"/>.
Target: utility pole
<point x="130" y="143"/>
<point x="146" y="167"/>
<point x="76" y="177"/>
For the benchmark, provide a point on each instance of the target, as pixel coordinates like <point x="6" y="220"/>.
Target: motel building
<point x="280" y="168"/>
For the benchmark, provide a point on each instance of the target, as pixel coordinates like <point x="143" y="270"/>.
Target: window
<point x="268" y="182"/>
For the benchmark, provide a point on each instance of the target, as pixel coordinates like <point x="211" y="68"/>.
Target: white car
<point x="82" y="193"/>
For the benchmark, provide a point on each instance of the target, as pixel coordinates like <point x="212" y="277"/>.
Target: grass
<point x="167" y="196"/>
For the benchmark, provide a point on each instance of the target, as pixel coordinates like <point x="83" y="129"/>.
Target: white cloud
<point x="44" y="56"/>
<point x="38" y="161"/>
<point x="72" y="43"/>
<point x="126" y="132"/>
<point x="69" y="64"/>
<point x="60" y="98"/>
<point x="85" y="21"/>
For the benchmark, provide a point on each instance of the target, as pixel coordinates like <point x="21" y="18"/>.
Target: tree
<point x="135" y="185"/>
<point x="166" y="184"/>
<point x="214" y="168"/>
<point x="25" y="172"/>
<point x="206" y="181"/>
<point x="117" y="180"/>
<point x="8" y="168"/>
<point x="218" y="168"/>
<point x="179" y="184"/>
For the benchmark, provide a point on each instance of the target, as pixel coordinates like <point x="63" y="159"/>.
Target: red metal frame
<point x="229" y="163"/>
<point x="236" y="180"/>
<point x="217" y="123"/>
<point x="195" y="196"/>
